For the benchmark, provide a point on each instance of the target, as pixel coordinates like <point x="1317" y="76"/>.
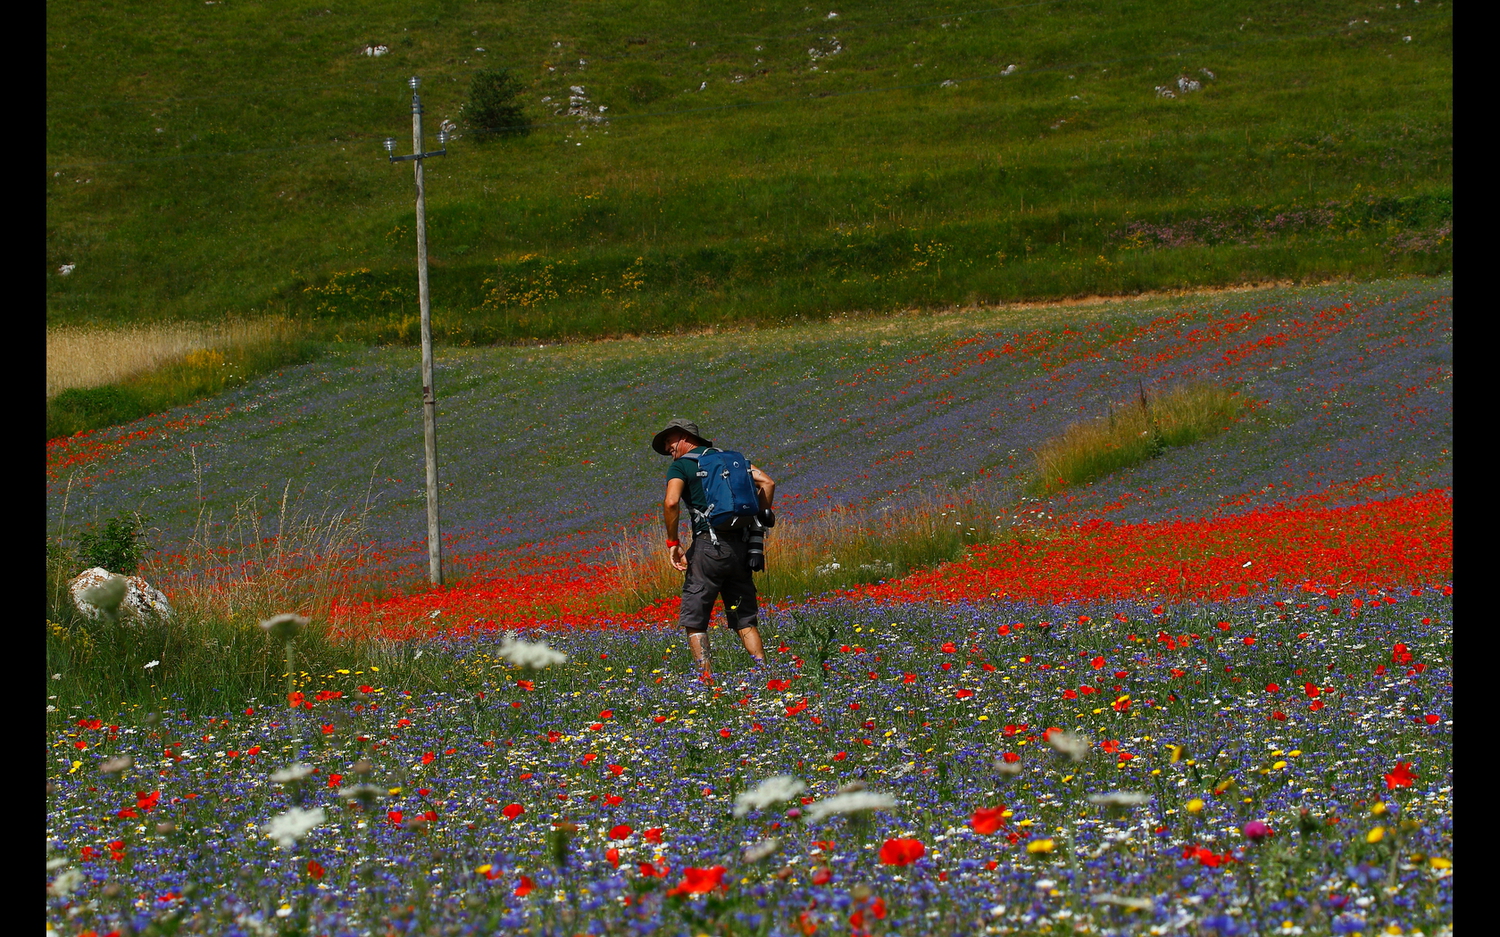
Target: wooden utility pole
<point x="429" y="396"/>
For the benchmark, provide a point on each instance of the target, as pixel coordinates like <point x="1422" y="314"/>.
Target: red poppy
<point x="613" y="855"/>
<point x="528" y="686"/>
<point x="840" y="756"/>
<point x="616" y="770"/>
<point x="658" y="719"/>
<point x="653" y="835"/>
<point x="822" y="876"/>
<point x="796" y="708"/>
<point x="1433" y="719"/>
<point x="524" y="888"/>
<point x="1010" y="758"/>
<point x="987" y="820"/>
<point x="394" y="816"/>
<point x="901" y="851"/>
<point x="1310" y="689"/>
<point x="1400" y="654"/>
<point x="1098" y="663"/>
<point x="512" y="811"/>
<point x="963" y="694"/>
<point x="908" y="678"/>
<point x="698" y="881"/>
<point x="1070" y="694"/>
<point x="1272" y="688"/>
<point x="314" y="869"/>
<point x="949" y="648"/>
<point x="1249" y="641"/>
<point x="1316" y="705"/>
<point x="725" y="733"/>
<point x="427" y="758"/>
<point x="622" y="831"/>
<point x="777" y="686"/>
<point x="1400" y="777"/>
<point x="614" y="800"/>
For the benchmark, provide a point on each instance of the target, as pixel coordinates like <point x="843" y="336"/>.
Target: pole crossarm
<point x="402" y="159"/>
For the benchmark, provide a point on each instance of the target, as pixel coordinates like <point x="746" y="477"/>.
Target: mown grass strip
<point x="198" y="373"/>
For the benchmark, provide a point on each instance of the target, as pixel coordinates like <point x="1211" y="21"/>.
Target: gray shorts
<point x="715" y="569"/>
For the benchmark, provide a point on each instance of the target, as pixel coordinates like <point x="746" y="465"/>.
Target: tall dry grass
<point x="1132" y="432"/>
<point x="830" y="550"/>
<point x="79" y="357"/>
<point x="258" y="561"/>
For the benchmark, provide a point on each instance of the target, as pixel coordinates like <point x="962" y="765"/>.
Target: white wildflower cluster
<point x="291" y="826"/>
<point x="376" y="51"/>
<point x="1133" y="904"/>
<point x="1075" y="746"/>
<point x="528" y="654"/>
<point x="854" y="802"/>
<point x="767" y="793"/>
<point x="762" y="849"/>
<point x="1119" y="799"/>
<point x="66" y="269"/>
<point x="291" y="773"/>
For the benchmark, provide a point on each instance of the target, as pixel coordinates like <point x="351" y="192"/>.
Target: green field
<point x="223" y="158"/>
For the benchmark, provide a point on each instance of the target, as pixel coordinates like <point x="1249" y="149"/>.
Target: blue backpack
<point x="728" y="488"/>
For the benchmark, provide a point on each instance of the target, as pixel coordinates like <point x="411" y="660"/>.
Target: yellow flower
<point x="1278" y="766"/>
<point x="1040" y="846"/>
<point x="1378" y="809"/>
<point x="1438" y="862"/>
<point x="1195" y="805"/>
<point x="1375" y="835"/>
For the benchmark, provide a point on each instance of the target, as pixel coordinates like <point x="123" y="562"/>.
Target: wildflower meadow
<point x="1209" y="691"/>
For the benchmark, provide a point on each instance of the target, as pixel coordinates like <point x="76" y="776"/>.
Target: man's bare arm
<point x="765" y="487"/>
<point x="671" y="507"/>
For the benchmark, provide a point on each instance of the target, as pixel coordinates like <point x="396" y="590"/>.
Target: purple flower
<point x="1255" y="831"/>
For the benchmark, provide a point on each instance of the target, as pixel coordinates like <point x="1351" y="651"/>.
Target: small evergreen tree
<point x="492" y="109"/>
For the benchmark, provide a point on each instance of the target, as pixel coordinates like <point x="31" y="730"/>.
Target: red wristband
<point x="674" y="543"/>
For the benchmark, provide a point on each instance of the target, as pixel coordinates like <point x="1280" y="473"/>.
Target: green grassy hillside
<point x="758" y="161"/>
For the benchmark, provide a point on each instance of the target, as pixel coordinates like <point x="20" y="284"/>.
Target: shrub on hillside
<point x="118" y="547"/>
<point x="492" y="109"/>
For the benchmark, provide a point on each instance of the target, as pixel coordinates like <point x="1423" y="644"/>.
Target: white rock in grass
<point x="92" y="592"/>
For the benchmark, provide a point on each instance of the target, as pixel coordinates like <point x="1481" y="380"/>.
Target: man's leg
<point x="698" y="597"/>
<point x="741" y="606"/>
<point x="698" y="644"/>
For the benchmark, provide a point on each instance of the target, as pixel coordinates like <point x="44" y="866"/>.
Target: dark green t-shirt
<point x="692" y="490"/>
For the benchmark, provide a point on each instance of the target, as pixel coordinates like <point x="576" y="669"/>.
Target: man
<point x="716" y="563"/>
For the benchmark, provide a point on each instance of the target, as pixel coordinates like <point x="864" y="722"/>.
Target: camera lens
<point x="757" y="549"/>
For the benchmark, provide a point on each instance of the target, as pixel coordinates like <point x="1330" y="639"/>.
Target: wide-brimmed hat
<point x="659" y="441"/>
